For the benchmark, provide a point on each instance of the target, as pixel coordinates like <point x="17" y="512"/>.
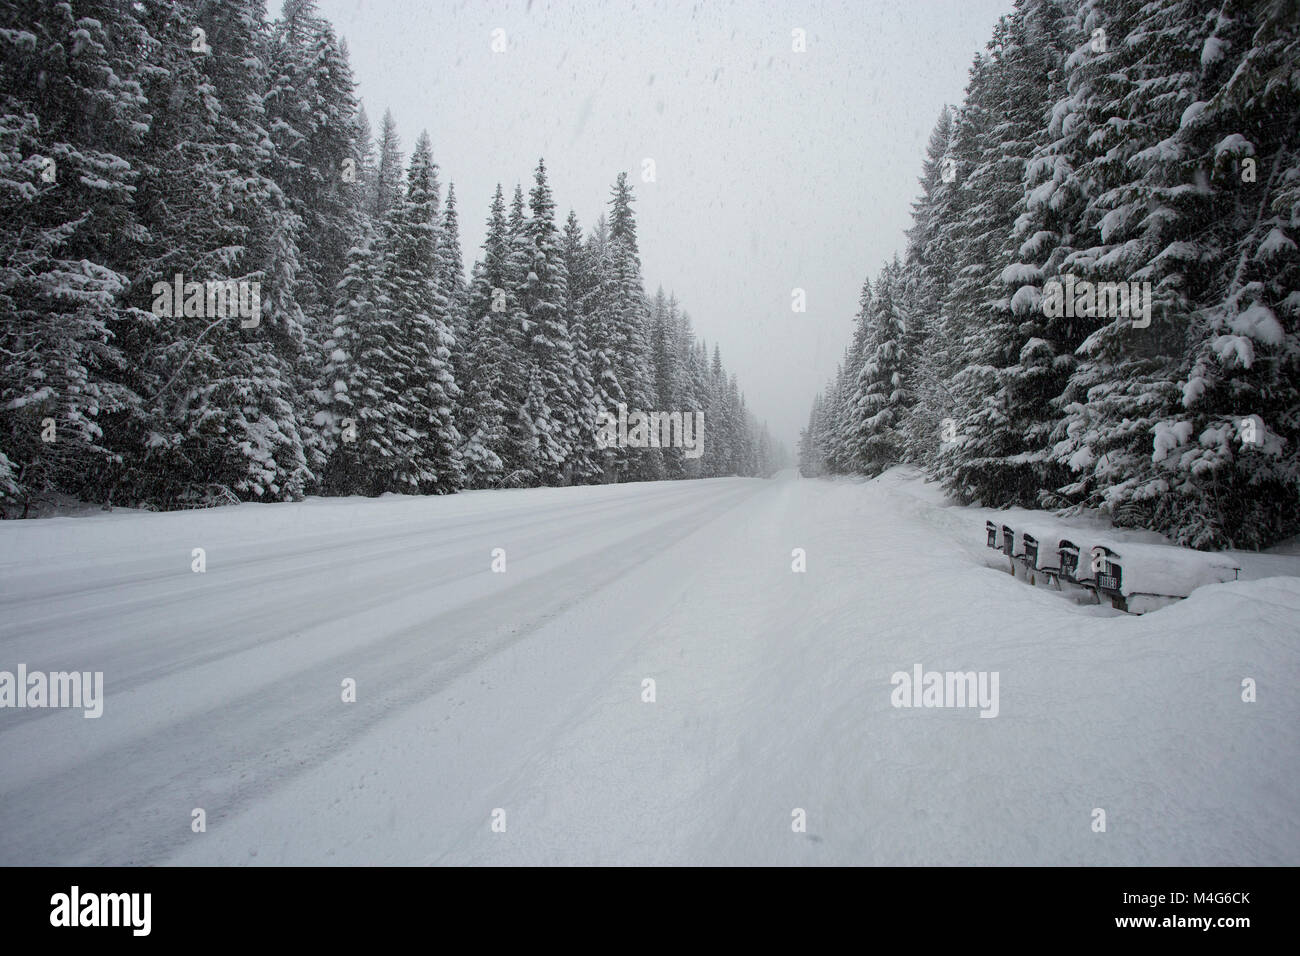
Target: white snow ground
<point x="523" y="690"/>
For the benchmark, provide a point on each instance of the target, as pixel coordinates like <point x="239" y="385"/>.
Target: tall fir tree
<point x="544" y="299"/>
<point x="630" y="320"/>
<point x="409" y="291"/>
<point x="386" y="186"/>
<point x="582" y="285"/>
<point x="486" y="408"/>
<point x="72" y="114"/>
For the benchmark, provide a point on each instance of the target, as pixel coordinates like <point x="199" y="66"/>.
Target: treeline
<point x="197" y="138"/>
<point x="1117" y="141"/>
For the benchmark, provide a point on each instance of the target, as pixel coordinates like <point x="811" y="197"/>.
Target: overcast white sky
<point x="774" y="169"/>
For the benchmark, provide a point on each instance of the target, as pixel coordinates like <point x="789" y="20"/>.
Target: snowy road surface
<point x="523" y="691"/>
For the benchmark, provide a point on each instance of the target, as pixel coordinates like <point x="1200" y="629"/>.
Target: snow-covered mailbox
<point x="1103" y="574"/>
<point x="1008" y="542"/>
<point x="1067" y="560"/>
<point x="1028" y="551"/>
<point x="1037" y="560"/>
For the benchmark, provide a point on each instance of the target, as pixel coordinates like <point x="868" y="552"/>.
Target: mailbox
<point x="1031" y="551"/>
<point x="1068" y="552"/>
<point x="1108" y="574"/>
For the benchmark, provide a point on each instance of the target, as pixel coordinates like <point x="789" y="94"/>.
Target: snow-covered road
<point x="522" y="691"/>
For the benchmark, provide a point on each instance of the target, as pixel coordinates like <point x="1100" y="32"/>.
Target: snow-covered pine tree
<point x="451" y="282"/>
<point x="631" y="324"/>
<point x="811" y="445"/>
<point x="364" y="415"/>
<point x="837" y="420"/>
<point x="312" y="118"/>
<point x="486" y="407"/>
<point x="665" y="362"/>
<point x="686" y="396"/>
<point x="544" y="300"/>
<point x="72" y="114"/>
<point x="924" y="240"/>
<point x="1121" y="105"/>
<point x="719" y="421"/>
<point x="1008" y="370"/>
<point x="367" y="169"/>
<point x="808" y="452"/>
<point x="841" y="439"/>
<point x="969" y="235"/>
<point x="604" y="336"/>
<point x="928" y="270"/>
<point x="311" y="115"/>
<point x="409" y="291"/>
<point x="386" y="186"/>
<point x="742" y="435"/>
<point x="226" y="417"/>
<point x="883" y="392"/>
<point x="698" y="374"/>
<point x="520" y="454"/>
<point x="582" y="285"/>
